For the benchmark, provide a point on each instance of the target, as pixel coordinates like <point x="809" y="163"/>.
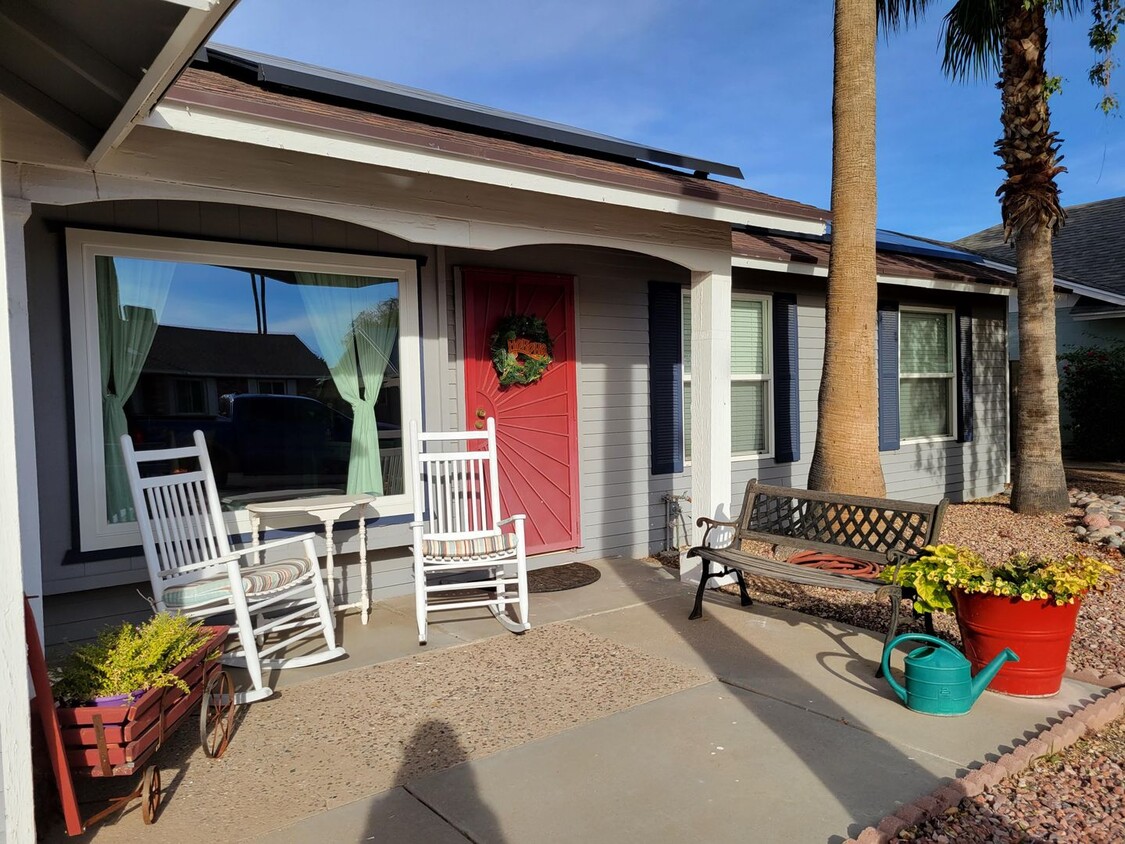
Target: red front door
<point x="536" y="424"/>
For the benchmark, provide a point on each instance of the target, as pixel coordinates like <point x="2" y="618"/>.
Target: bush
<point x="129" y="659"/>
<point x="1092" y="389"/>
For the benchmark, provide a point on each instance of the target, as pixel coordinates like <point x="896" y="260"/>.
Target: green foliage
<point x="973" y="34"/>
<point x="129" y="659"/>
<point x="946" y="567"/>
<point x="1093" y="391"/>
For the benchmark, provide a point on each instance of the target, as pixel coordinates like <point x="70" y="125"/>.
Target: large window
<point x="750" y="394"/>
<point x="292" y="363"/>
<point x="927" y="371"/>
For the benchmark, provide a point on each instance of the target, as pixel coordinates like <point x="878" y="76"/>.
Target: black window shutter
<point x="665" y="378"/>
<point x="964" y="374"/>
<point x="887" y="332"/>
<point x="786" y="380"/>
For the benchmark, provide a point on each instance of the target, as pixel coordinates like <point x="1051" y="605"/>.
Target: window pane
<point x="687" y="421"/>
<point x="924" y="407"/>
<point x="685" y="322"/>
<point x="299" y="369"/>
<point x="748" y="353"/>
<point x="924" y="344"/>
<point x="748" y="417"/>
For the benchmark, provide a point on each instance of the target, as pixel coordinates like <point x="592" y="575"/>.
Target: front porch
<point x="613" y="719"/>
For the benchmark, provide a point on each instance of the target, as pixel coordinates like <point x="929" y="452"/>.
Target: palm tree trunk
<point x="846" y="457"/>
<point x="1031" y="211"/>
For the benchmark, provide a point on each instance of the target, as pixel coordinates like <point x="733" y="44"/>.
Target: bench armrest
<point x="711" y="525"/>
<point x="896" y="558"/>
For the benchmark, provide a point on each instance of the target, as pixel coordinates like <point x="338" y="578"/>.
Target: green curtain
<point x="125" y="334"/>
<point x="356" y="344"/>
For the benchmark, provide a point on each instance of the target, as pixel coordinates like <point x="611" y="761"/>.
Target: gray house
<point x="687" y="313"/>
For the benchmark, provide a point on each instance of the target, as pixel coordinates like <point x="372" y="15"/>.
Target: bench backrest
<point x="850" y="525"/>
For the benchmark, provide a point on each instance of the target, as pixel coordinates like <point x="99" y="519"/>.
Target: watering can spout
<point x="985" y="675"/>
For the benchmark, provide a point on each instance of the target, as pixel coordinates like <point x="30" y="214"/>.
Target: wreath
<point x="521" y="350"/>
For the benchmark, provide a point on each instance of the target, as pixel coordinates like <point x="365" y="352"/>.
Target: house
<point x="394" y="229"/>
<point x="1089" y="255"/>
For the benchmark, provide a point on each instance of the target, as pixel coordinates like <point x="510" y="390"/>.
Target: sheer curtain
<point x="356" y="344"/>
<point x="125" y="334"/>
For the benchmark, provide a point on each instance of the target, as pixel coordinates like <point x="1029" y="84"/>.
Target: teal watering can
<point x="938" y="678"/>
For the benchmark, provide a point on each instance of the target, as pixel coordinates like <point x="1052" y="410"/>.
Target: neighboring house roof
<point x="1088" y="249"/>
<point x="197" y="351"/>
<point x="92" y="70"/>
<point x="898" y="256"/>
<point x="250" y="88"/>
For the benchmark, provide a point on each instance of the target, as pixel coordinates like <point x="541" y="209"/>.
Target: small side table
<point x="326" y="508"/>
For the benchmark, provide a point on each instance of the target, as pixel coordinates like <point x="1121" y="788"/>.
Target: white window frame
<point x="767" y="376"/>
<point x="96" y="533"/>
<point x="951" y="339"/>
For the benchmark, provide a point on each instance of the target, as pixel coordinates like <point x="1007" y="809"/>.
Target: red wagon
<point x="112" y="741"/>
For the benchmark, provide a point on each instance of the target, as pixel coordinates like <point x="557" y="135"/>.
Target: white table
<point x="326" y="508"/>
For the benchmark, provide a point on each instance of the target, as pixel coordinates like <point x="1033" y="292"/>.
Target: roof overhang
<point x="815" y="270"/>
<point x="94" y="70"/>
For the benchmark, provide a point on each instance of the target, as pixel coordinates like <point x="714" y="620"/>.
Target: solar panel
<point x="287" y="73"/>
<point x="889" y="241"/>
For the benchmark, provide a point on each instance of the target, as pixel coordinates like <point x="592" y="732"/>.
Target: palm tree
<point x="846" y="456"/>
<point x="1010" y="36"/>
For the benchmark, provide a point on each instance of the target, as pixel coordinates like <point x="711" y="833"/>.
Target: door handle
<point x="480" y="413"/>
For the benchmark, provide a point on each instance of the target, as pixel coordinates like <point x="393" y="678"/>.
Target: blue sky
<point x="745" y="83"/>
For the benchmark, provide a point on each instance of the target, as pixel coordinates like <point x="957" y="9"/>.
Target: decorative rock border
<point x="1104" y="522"/>
<point x="1093" y="716"/>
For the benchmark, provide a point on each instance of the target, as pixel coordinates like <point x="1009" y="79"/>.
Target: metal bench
<point x="873" y="530"/>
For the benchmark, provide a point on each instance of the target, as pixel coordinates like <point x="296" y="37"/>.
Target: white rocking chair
<point x="194" y="571"/>
<point x="462" y="544"/>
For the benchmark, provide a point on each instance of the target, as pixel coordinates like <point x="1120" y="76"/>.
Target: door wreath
<point x="521" y="350"/>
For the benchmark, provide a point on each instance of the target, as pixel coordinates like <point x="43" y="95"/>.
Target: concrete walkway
<point x="780" y="733"/>
<point x="792" y="739"/>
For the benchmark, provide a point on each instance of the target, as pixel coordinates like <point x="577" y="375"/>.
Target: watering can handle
<point x="921" y="637"/>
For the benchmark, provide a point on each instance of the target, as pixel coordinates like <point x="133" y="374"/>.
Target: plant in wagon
<point x="127" y="660"/>
<point x="1028" y="603"/>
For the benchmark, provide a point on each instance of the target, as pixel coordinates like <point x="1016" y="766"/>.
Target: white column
<point x="19" y="529"/>
<point x="710" y="402"/>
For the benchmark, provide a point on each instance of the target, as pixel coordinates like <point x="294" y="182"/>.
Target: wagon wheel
<point x="216" y="715"/>
<point x="150" y="794"/>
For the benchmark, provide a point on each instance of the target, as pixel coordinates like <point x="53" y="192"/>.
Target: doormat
<point x="558" y="578"/>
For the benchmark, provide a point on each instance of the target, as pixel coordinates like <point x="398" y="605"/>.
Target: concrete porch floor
<point x="758" y="724"/>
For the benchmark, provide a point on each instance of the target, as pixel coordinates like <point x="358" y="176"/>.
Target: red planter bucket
<point x="1038" y="631"/>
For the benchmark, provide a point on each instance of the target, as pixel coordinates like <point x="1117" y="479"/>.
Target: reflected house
<point x="187" y="369"/>
<point x="266" y="403"/>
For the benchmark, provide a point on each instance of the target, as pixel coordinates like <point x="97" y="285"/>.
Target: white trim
<point x="1092" y="316"/>
<point x="798" y="268"/>
<point x="951" y="377"/>
<point x="199" y="21"/>
<point x="19" y="536"/>
<point x="95" y="532"/>
<point x="233" y="126"/>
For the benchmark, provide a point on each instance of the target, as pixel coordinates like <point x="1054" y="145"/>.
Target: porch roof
<point x="892" y="262"/>
<point x="202" y="85"/>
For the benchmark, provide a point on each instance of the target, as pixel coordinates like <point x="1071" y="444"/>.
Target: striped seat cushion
<point x="255" y="581"/>
<point x="483" y="546"/>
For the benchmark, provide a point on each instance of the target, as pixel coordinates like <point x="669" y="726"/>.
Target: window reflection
<point x="292" y="376"/>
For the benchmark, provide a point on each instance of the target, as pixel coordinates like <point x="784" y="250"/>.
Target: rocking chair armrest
<point x="711" y="524"/>
<point x="246" y="550"/>
<point x="511" y="520"/>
